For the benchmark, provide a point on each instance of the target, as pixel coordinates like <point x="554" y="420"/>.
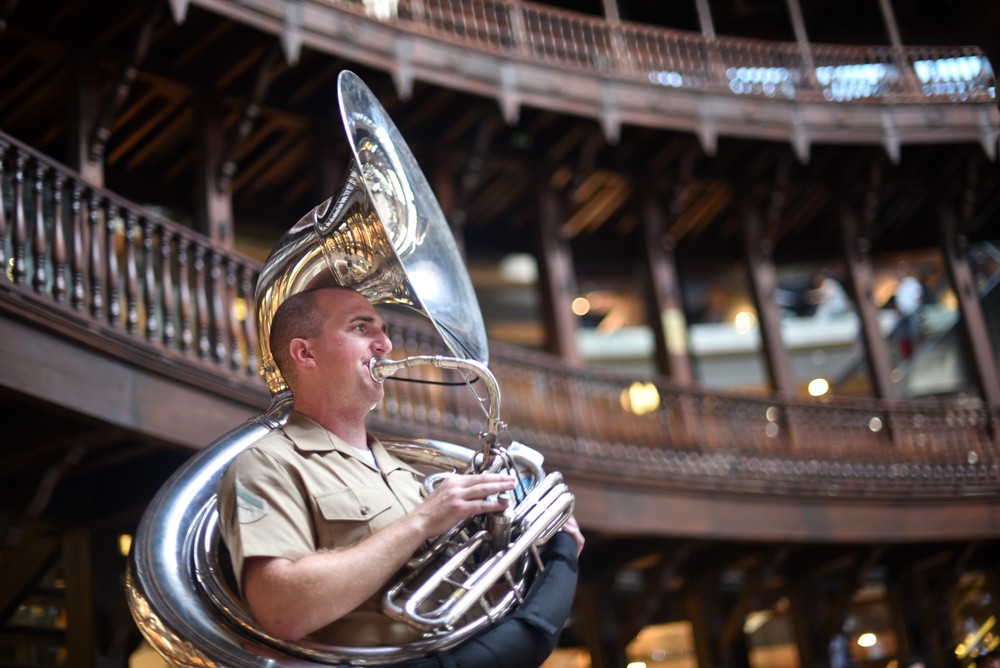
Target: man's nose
<point x="383" y="343"/>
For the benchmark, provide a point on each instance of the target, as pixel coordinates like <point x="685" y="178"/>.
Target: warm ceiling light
<point x="640" y="398"/>
<point x="581" y="306"/>
<point x="867" y="640"/>
<point x="744" y="321"/>
<point x="818" y="387"/>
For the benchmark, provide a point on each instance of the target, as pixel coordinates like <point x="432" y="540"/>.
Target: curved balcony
<point x="622" y="73"/>
<point x="92" y="267"/>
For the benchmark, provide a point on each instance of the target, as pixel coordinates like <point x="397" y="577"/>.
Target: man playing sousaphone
<point x="318" y="516"/>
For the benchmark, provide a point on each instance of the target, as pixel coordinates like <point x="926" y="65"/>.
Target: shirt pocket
<point x="348" y="515"/>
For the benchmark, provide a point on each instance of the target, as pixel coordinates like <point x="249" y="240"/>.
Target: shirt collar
<point x="310" y="436"/>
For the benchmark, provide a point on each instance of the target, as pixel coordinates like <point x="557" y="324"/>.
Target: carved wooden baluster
<point x="19" y="240"/>
<point x="96" y="263"/>
<point x="78" y="261"/>
<point x="250" y="322"/>
<point x="232" y="295"/>
<point x="149" y="281"/>
<point x="39" y="240"/>
<point x="201" y="302"/>
<point x="59" y="250"/>
<point x="131" y="275"/>
<point x="3" y="210"/>
<point x="184" y="285"/>
<point x="219" y="309"/>
<point x="167" y="288"/>
<point x="114" y="278"/>
<point x="184" y="278"/>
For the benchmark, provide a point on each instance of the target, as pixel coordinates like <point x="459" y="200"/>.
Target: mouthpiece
<point x="376" y="369"/>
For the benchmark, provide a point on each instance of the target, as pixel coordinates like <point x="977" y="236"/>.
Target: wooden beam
<point x="664" y="294"/>
<point x="214" y="205"/>
<point x="975" y="334"/>
<point x="248" y="117"/>
<point x="82" y="623"/>
<point x="757" y="577"/>
<point x="85" y="114"/>
<point x="27" y="555"/>
<point x="589" y="607"/>
<point x="763" y="282"/>
<point x="854" y="579"/>
<point x="806" y="610"/>
<point x="698" y="606"/>
<point x="860" y="281"/>
<point x="651" y="599"/>
<point x="557" y="275"/>
<point x="903" y="613"/>
<point x="99" y="134"/>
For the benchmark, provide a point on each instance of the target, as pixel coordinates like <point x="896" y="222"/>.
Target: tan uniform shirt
<point x="302" y="489"/>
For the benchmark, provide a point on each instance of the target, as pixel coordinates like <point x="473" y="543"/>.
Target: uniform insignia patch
<point x="249" y="506"/>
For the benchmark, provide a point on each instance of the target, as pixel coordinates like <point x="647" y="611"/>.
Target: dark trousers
<point x="525" y="637"/>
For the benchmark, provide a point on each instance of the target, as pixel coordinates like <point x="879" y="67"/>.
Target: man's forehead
<point x="348" y="303"/>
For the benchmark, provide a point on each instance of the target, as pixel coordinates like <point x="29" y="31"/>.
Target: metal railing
<point x="104" y="264"/>
<point x="652" y="432"/>
<point x="682" y="59"/>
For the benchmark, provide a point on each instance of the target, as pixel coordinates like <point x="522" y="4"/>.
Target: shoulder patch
<point x="249" y="506"/>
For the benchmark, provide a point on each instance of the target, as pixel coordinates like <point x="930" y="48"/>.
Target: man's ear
<point x="301" y="353"/>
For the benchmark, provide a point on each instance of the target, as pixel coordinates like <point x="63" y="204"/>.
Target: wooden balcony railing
<point x="157" y="293"/>
<point x="620" y="73"/>
<point x="682" y="59"/>
<point x="111" y="267"/>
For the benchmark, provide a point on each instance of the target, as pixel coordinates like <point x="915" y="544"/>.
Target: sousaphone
<point x="384" y="235"/>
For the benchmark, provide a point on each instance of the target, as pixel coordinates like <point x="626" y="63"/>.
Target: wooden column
<point x="955" y="245"/>
<point x="699" y="609"/>
<point x="81" y="624"/>
<point x="443" y="185"/>
<point x="556" y="274"/>
<point x="99" y="628"/>
<point x="905" y="620"/>
<point x="860" y="281"/>
<point x="86" y="108"/>
<point x="806" y="613"/>
<point x="664" y="295"/>
<point x="763" y="281"/>
<point x="26" y="553"/>
<point x="599" y="627"/>
<point x="330" y="170"/>
<point x="214" y="202"/>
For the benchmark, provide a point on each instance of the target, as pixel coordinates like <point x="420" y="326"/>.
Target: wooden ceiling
<point x="287" y="153"/>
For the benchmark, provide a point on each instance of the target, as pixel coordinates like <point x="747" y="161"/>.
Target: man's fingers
<point x="478" y="485"/>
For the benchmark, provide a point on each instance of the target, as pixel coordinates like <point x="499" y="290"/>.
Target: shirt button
<point x="364" y="510"/>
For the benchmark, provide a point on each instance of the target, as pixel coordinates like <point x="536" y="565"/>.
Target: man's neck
<point x="349" y="428"/>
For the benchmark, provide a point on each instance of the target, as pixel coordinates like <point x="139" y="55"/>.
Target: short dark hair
<point x="297" y="317"/>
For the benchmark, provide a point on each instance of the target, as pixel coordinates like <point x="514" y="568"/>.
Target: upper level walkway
<point x="625" y="73"/>
<point x="110" y="311"/>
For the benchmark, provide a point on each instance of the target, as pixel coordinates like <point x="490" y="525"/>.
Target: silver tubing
<point x="381" y="369"/>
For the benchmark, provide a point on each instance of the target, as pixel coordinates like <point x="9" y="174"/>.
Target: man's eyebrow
<point x="368" y="319"/>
